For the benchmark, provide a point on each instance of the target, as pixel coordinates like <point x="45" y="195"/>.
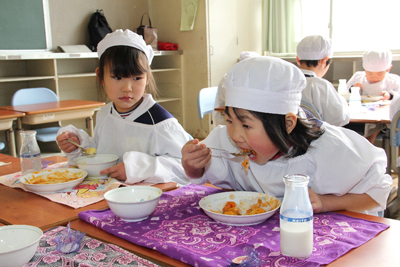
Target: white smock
<point x="390" y="84"/>
<point x="339" y="162"/>
<point x="149" y="152"/>
<point x="321" y="94"/>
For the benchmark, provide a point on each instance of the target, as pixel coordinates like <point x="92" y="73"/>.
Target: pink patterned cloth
<point x="180" y="229"/>
<point x="92" y="253"/>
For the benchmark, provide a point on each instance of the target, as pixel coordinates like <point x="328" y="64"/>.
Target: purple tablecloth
<point x="180" y="229"/>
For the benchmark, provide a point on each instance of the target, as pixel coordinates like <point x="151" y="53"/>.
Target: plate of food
<point x="374" y="98"/>
<point x="240" y="207"/>
<point x="53" y="180"/>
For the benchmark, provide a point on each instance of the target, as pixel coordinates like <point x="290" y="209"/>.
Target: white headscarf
<point x="377" y="61"/>
<point x="314" y="47"/>
<point x="127" y="38"/>
<point x="265" y="84"/>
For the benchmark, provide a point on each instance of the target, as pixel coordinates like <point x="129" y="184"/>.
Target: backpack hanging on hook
<point x="98" y="28"/>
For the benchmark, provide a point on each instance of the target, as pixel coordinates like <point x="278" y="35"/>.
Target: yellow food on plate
<point x="246" y="208"/>
<point x="54" y="177"/>
<point x="91" y="150"/>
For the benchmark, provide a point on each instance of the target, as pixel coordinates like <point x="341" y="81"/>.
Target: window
<point x="357" y="25"/>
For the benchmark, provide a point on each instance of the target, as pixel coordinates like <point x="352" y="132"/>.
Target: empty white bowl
<point x="133" y="203"/>
<point x="94" y="164"/>
<point x="18" y="244"/>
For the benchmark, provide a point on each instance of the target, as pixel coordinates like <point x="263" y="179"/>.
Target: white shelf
<point x="77" y="75"/>
<point x="26" y="78"/>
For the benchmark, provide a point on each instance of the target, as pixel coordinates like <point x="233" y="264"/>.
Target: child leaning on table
<point x="262" y="113"/>
<point x="147" y="139"/>
<point x="314" y="54"/>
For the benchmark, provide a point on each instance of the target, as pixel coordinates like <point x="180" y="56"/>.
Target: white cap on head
<point x="248" y="54"/>
<point x="314" y="47"/>
<point x="126" y="38"/>
<point x="265" y="84"/>
<point x="377" y="61"/>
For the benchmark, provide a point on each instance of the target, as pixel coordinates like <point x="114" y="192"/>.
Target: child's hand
<point x="316" y="201"/>
<point x="64" y="144"/>
<point x="117" y="171"/>
<point x="358" y="85"/>
<point x="386" y="95"/>
<point x="194" y="157"/>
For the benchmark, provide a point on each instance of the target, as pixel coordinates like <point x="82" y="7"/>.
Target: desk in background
<point x="55" y="111"/>
<point x="6" y="123"/>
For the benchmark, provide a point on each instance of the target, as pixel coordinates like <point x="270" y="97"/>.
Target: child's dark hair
<point x="127" y="61"/>
<point x="314" y="63"/>
<point x="292" y="145"/>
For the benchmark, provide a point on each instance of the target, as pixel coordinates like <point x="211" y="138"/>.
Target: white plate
<point x="371" y="97"/>
<point x="216" y="202"/>
<point x="49" y="188"/>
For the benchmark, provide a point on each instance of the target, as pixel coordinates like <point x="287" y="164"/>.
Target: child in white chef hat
<point x="146" y="137"/>
<point x="263" y="97"/>
<point x="376" y="80"/>
<point x="314" y="55"/>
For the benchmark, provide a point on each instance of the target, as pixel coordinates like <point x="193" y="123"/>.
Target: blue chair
<point x="311" y="109"/>
<point x="38" y="95"/>
<point x="205" y="103"/>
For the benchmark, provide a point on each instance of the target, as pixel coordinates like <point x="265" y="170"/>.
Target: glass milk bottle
<point x="342" y="88"/>
<point x="30" y="153"/>
<point x="355" y="100"/>
<point x="296" y="218"/>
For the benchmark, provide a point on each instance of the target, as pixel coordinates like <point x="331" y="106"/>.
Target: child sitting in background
<point x="147" y="139"/>
<point x="375" y="80"/>
<point x="262" y="103"/>
<point x="314" y="57"/>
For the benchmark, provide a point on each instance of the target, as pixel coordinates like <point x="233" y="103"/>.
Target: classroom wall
<point x="69" y="19"/>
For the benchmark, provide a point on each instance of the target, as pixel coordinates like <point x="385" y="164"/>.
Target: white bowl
<point x="213" y="205"/>
<point x="94" y="164"/>
<point x="18" y="244"/>
<point x="133" y="203"/>
<point x="49" y="188"/>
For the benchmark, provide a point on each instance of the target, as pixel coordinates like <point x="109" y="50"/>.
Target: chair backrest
<point x="28" y="96"/>
<point x="311" y="109"/>
<point x="395" y="130"/>
<point x="206" y="100"/>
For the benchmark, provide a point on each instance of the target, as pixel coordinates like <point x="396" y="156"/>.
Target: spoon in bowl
<point x="84" y="150"/>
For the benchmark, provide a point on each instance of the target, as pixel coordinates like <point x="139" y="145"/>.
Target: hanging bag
<point x="98" y="28"/>
<point x="148" y="32"/>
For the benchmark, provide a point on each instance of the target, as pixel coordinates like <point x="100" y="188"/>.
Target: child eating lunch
<point x="314" y="55"/>
<point x="375" y="80"/>
<point x="147" y="139"/>
<point x="263" y="97"/>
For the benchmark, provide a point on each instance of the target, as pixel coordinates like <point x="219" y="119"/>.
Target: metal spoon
<point x="239" y="152"/>
<point x="83" y="149"/>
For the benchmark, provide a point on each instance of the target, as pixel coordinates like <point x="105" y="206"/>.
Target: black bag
<point x="98" y="28"/>
<point x="149" y="33"/>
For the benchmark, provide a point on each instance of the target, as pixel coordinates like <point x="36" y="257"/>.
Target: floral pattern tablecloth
<point x="91" y="253"/>
<point x="180" y="229"/>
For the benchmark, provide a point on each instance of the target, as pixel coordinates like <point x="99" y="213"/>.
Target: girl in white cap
<point x="262" y="113"/>
<point x="147" y="139"/>
<point x="314" y="54"/>
<point x="375" y="80"/>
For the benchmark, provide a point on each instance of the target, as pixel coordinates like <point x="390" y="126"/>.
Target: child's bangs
<point x="126" y="61"/>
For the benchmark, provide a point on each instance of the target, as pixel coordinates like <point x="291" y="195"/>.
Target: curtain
<point x="281" y="26"/>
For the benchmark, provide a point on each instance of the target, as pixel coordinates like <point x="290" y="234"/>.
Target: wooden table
<point x="21" y="207"/>
<point x="6" y="123"/>
<point x="55" y="111"/>
<point x="380" y="251"/>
